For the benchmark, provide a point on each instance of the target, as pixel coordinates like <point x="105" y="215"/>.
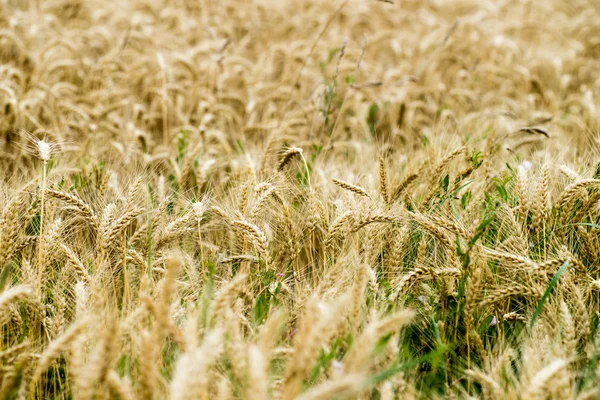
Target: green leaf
<point x="597" y="173"/>
<point x="390" y="372"/>
<point x="382" y="343"/>
<point x="476" y="159"/>
<point x="592" y="365"/>
<point x="261" y="309"/>
<point x="464" y="200"/>
<point x="450" y="195"/>
<point x="239" y="146"/>
<point x="444" y="183"/>
<point x="502" y="190"/>
<point x="152" y="196"/>
<point x="78" y="182"/>
<point x="436" y="330"/>
<point x="302" y="178"/>
<point x="373" y="118"/>
<point x="125" y="365"/>
<point x="182" y="143"/>
<point x="481" y="229"/>
<point x="5" y="274"/>
<point x="485" y="324"/>
<point x="33" y="229"/>
<point x="547" y="292"/>
<point x="586" y="224"/>
<point x="332" y="53"/>
<point x="322" y="67"/>
<point x="173" y="183"/>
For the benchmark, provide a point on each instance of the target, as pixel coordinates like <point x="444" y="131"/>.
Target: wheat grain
<point x="287" y="157"/>
<point x="75" y="201"/>
<point x="352" y="188"/>
<point x="517" y="290"/>
<point x="371" y="219"/>
<point x="256" y="235"/>
<point x="383" y="185"/>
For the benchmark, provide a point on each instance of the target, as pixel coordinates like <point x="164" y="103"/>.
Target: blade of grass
<point x="586" y="224"/>
<point x="441" y="347"/>
<point x="5" y="274"/>
<point x="547" y="292"/>
<point x="589" y="372"/>
<point x="449" y="196"/>
<point x="390" y="372"/>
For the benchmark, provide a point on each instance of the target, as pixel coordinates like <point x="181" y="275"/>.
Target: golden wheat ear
<point x="352" y="188"/>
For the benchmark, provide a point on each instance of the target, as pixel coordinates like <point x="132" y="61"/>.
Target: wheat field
<point x="324" y="199"/>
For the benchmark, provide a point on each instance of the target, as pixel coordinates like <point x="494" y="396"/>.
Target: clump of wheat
<point x="345" y="199"/>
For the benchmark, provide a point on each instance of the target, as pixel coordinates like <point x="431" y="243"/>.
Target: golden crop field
<point x="278" y="199"/>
